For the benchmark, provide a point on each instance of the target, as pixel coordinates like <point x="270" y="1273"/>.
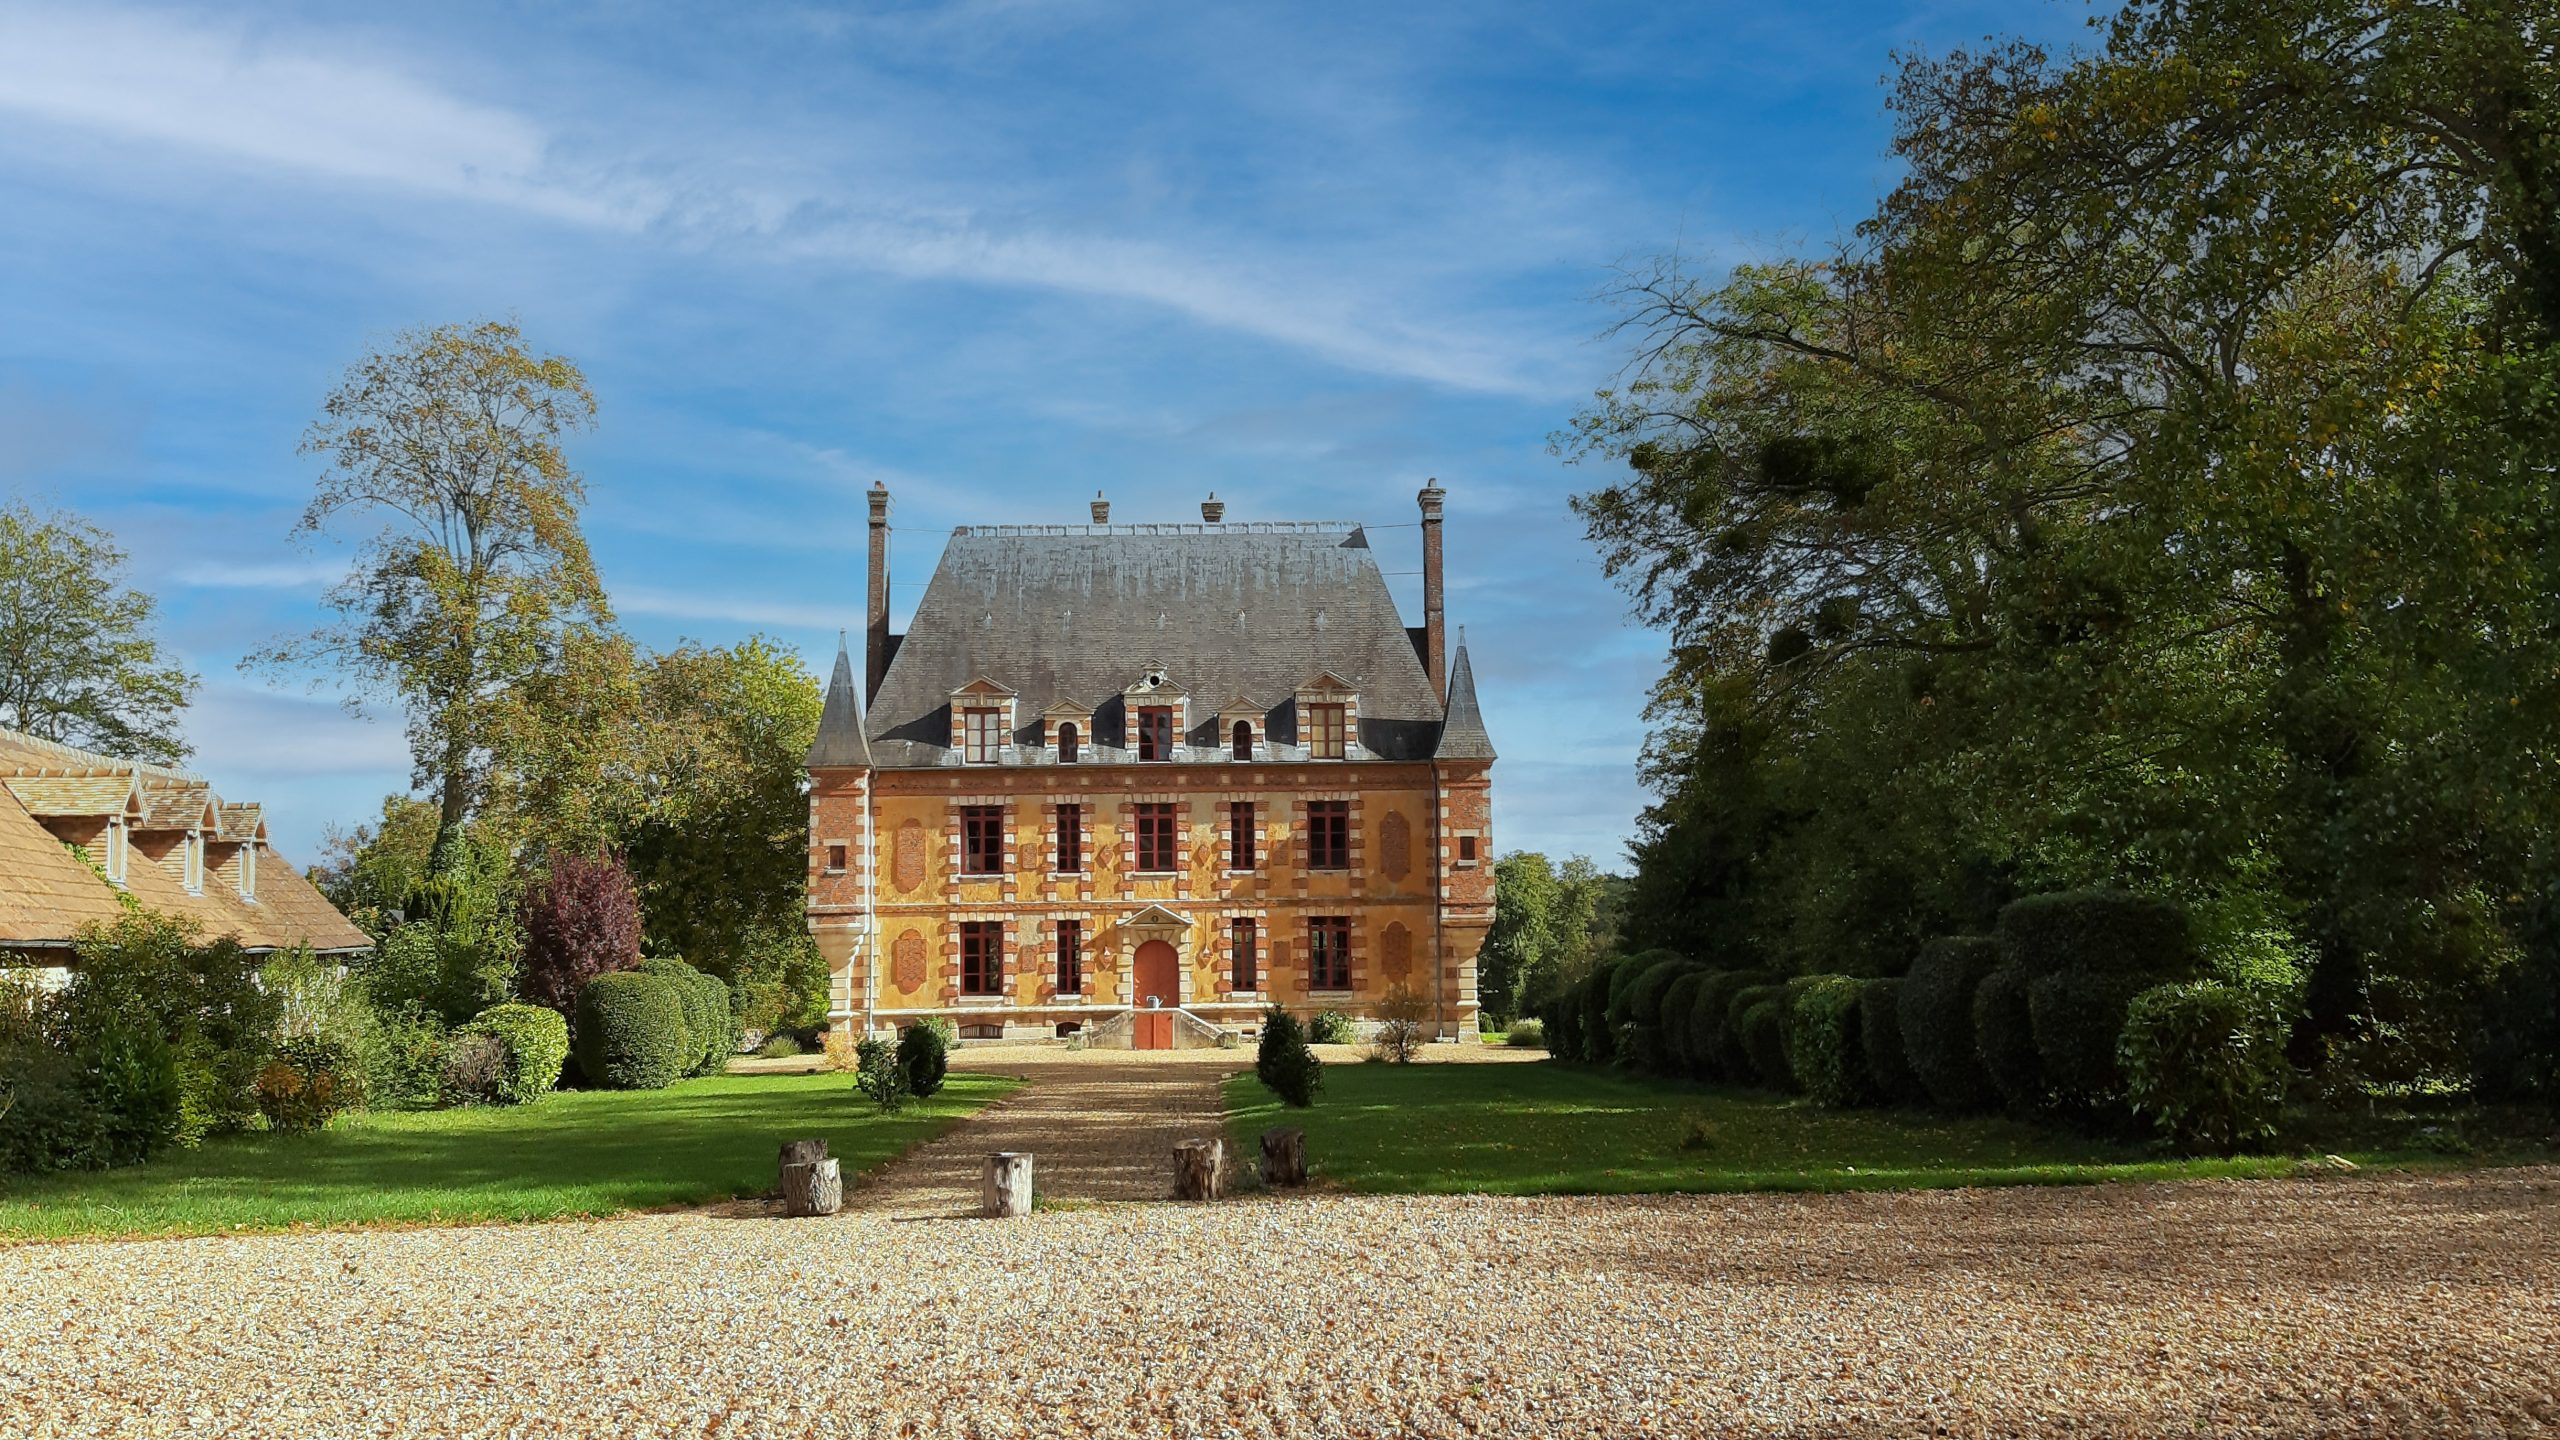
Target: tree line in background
<point x="2155" y="494"/>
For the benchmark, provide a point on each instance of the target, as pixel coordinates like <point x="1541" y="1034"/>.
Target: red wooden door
<point x="1157" y="976"/>
<point x="1155" y="1030"/>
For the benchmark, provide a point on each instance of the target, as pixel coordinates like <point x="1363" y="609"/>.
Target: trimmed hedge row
<point x="1936" y="1014"/>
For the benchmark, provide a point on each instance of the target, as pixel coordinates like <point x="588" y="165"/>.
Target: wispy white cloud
<point x="329" y="112"/>
<point x="733" y="609"/>
<point x="286" y="575"/>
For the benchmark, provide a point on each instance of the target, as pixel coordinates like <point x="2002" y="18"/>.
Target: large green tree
<point x="78" y="660"/>
<point x="2152" y="493"/>
<point x="478" y="582"/>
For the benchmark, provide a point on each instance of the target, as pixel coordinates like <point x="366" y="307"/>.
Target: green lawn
<point x="1547" y="1128"/>
<point x="578" y="1152"/>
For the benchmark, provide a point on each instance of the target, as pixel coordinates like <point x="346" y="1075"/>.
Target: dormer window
<point x="195" y="862"/>
<point x="981" y="736"/>
<point x="1328" y="731"/>
<point x="1067" y="743"/>
<point x="1242" y="740"/>
<point x="115" y="847"/>
<point x="1154" y="725"/>
<point x="249" y="871"/>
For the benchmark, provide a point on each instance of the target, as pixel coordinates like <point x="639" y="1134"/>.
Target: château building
<point x="1144" y="781"/>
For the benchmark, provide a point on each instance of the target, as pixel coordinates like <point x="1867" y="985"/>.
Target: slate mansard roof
<point x="1226" y="612"/>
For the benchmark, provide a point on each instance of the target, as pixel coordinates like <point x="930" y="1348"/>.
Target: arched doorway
<point x="1157" y="974"/>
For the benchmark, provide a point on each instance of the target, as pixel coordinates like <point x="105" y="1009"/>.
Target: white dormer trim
<point x="982" y="694"/>
<point x="1327" y="688"/>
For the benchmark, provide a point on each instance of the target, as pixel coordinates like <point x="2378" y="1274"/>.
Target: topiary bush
<point x="631" y="1032"/>
<point x="1715" y="1026"/>
<point x="537" y="1045"/>
<point x="707" y="1021"/>
<point x="2077" y="1018"/>
<point x="924" y="1052"/>
<point x="1743" y="1067"/>
<point x="1624" y="1006"/>
<point x="2004" y="1038"/>
<point x="1679" y="1012"/>
<point x="1639" y="1005"/>
<point x="1599" y="1042"/>
<point x="1284" y="1064"/>
<point x="1936" y="1014"/>
<point x="2108" y="932"/>
<point x="1880" y="1044"/>
<point x="877" y="1073"/>
<point x="309" y="1081"/>
<point x="1561" y="1019"/>
<point x="1764" y="1038"/>
<point x="2204" y="1061"/>
<point x="1824" y="1052"/>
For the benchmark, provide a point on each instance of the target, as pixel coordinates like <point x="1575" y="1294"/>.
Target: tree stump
<point x="812" y="1187"/>
<point x="1196" y="1167"/>
<point x="1006" y="1192"/>
<point x="1284" y="1155"/>
<point x="803" y="1152"/>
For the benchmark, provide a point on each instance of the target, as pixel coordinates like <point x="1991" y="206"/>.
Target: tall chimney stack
<point x="1435" y="645"/>
<point x="1213" y="509"/>
<point x="1101" y="509"/>
<point x="875" y="643"/>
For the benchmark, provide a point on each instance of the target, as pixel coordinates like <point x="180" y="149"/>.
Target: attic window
<point x="195" y="863"/>
<point x="981" y="736"/>
<point x="1155" y="733"/>
<point x="116" y="850"/>
<point x="1244" y="740"/>
<point x="1327" y="732"/>
<point x="1067" y="742"/>
<point x="249" y="871"/>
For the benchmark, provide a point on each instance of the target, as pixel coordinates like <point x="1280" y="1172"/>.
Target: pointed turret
<point x="1462" y="734"/>
<point x="840" y="743"/>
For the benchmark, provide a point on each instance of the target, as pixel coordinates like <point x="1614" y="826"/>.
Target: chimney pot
<point x="1101" y="509"/>
<point x="1213" y="509"/>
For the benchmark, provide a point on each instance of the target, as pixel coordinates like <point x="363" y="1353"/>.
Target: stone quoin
<point x="1143" y="781"/>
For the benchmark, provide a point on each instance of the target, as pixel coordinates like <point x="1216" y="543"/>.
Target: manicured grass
<point x="577" y="1152"/>
<point x="1548" y="1128"/>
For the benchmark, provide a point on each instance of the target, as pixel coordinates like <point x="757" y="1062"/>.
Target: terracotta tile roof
<point x="48" y="894"/>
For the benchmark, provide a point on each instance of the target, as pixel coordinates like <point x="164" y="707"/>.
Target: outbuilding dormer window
<point x="116" y="850"/>
<point x="195" y="862"/>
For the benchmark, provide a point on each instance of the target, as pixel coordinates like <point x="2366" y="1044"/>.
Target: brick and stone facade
<point x="942" y="793"/>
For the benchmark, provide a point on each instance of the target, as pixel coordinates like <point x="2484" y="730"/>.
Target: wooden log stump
<point x="1284" y="1155"/>
<point x="1005" y="1193"/>
<point x="802" y="1152"/>
<point x="1197" y="1167"/>
<point x="812" y="1187"/>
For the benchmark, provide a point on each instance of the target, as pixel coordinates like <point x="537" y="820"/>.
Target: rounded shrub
<point x="631" y="1032"/>
<point x="1678" y="1013"/>
<point x="924" y="1052"/>
<point x="1639" y="1003"/>
<point x="1629" y="979"/>
<point x="2204" y="1061"/>
<point x="2004" y="1038"/>
<point x="1561" y="1019"/>
<point x="1824" y="1051"/>
<point x="1740" y="1066"/>
<point x="1715" y="1027"/>
<point x="1936" y="1008"/>
<point x="1764" y="1039"/>
<point x="1599" y="1038"/>
<point x="2105" y="932"/>
<point x="1880" y="1043"/>
<point x="2076" y="1019"/>
<point x="707" y="1022"/>
<point x="537" y="1042"/>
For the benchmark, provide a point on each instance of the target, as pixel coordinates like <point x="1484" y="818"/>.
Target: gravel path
<point x="2363" y="1306"/>
<point x="1101" y="1125"/>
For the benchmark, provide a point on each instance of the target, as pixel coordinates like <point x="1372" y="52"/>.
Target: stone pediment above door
<point x="1155" y="917"/>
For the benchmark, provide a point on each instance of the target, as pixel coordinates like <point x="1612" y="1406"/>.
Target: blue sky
<point x="998" y="254"/>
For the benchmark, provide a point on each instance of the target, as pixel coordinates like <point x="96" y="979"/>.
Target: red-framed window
<point x="981" y="736"/>
<point x="1466" y="849"/>
<point x="1328" y="834"/>
<point x="982" y="840"/>
<point x="1242" y="853"/>
<point x="1242" y="740"/>
<point x="1155" y="733"/>
<point x="1068" y="742"/>
<point x="1329" y="952"/>
<point x="1328" y="731"/>
<point x="1070" y="839"/>
<point x="1156" y="848"/>
<point x="981" y="957"/>
<point x="835" y="857"/>
<point x="1070" y="957"/>
<point x="1244" y="956"/>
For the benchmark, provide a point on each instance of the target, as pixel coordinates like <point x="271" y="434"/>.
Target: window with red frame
<point x="1244" y="956"/>
<point x="981" y="957"/>
<point x="1070" y="839"/>
<point x="1328" y="834"/>
<point x="982" y="840"/>
<point x="1155" y="733"/>
<point x="1329" y="952"/>
<point x="1070" y="957"/>
<point x="1156" y="849"/>
<point x="1242" y="853"/>
<point x="981" y="736"/>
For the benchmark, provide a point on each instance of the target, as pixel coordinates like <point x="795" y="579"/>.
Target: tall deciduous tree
<point x="479" y="580"/>
<point x="78" y="661"/>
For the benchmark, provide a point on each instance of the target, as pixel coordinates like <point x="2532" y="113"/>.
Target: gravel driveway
<point x="2356" y="1306"/>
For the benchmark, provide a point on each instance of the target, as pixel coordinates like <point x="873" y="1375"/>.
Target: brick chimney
<point x="875" y="644"/>
<point x="1101" y="509"/>
<point x="1213" y="509"/>
<point x="1434" y="621"/>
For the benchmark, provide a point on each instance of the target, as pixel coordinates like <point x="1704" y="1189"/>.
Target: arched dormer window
<point x="1244" y="740"/>
<point x="1067" y="739"/>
